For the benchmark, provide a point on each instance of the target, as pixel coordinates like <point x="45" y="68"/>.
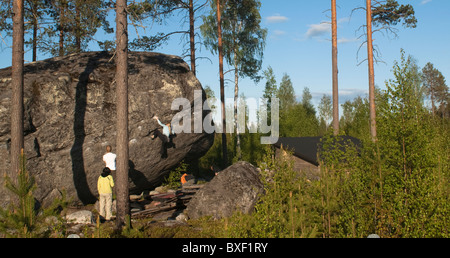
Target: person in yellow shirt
<point x="105" y="184"/>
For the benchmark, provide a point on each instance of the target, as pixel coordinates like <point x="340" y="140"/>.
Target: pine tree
<point x="123" y="208"/>
<point x="20" y="219"/>
<point x="17" y="84"/>
<point x="335" y="69"/>
<point x="286" y="93"/>
<point x="435" y="85"/>
<point x="384" y="15"/>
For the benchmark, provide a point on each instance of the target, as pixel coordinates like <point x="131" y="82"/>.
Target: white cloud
<point x="323" y="29"/>
<point x="342" y="20"/>
<point x="347" y="40"/>
<point x="425" y="1"/>
<point x="279" y="32"/>
<point x="277" y="18"/>
<point x="320" y="29"/>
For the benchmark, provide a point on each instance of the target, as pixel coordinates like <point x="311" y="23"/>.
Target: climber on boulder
<point x="165" y="136"/>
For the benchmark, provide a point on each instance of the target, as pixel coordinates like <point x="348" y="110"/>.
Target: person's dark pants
<point x="164" y="143"/>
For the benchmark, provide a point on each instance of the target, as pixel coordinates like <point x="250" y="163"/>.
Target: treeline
<point x="62" y="27"/>
<point x="300" y="118"/>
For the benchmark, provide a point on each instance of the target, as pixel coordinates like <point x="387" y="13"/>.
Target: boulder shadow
<point x="76" y="152"/>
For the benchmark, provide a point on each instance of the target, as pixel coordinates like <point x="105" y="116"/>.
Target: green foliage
<point x="390" y="12"/>
<point x="149" y="43"/>
<point x="325" y="113"/>
<point x="286" y="93"/>
<point x="435" y="87"/>
<point x="355" y="120"/>
<point x="173" y="181"/>
<point x="242" y="35"/>
<point x="284" y="211"/>
<point x="306" y="102"/>
<point x="408" y="164"/>
<point x="270" y="89"/>
<point x="71" y="20"/>
<point x="252" y="150"/>
<point x="344" y="187"/>
<point x="21" y="221"/>
<point x="399" y="186"/>
<point x="396" y="187"/>
<point x="298" y="121"/>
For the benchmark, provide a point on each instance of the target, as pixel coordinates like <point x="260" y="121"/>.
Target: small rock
<point x="182" y="218"/>
<point x="73" y="236"/>
<point x="81" y="217"/>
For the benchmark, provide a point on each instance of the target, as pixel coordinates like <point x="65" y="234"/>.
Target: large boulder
<point x="70" y="117"/>
<point x="237" y="188"/>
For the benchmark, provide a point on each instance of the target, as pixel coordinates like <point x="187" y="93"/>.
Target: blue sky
<point x="298" y="44"/>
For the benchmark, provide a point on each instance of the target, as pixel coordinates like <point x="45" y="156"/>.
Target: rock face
<point x="236" y="188"/>
<point x="70" y="118"/>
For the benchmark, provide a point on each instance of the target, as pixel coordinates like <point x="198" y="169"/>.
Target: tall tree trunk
<point x="236" y="96"/>
<point x="335" y="69"/>
<point x="78" y="26"/>
<point x="35" y="28"/>
<point x="122" y="191"/>
<point x="192" y="34"/>
<point x="17" y="82"/>
<point x="222" y="88"/>
<point x="61" y="28"/>
<point x="373" y="122"/>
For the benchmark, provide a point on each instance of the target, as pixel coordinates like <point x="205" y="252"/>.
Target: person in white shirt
<point x="110" y="159"/>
